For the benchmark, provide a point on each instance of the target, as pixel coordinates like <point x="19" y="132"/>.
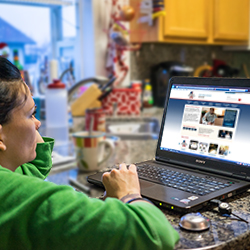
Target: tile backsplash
<point x="191" y="55"/>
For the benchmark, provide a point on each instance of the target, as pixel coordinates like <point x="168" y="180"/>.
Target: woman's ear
<point x="2" y="145"/>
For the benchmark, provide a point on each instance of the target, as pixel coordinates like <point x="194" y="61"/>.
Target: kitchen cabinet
<point x="218" y="22"/>
<point x="231" y="20"/>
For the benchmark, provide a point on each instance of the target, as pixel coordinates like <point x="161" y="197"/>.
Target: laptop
<point x="203" y="145"/>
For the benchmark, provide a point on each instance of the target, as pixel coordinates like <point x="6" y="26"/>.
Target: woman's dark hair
<point x="11" y="89"/>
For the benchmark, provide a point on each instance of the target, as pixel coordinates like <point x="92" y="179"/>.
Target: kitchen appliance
<point x="160" y="75"/>
<point x="219" y="69"/>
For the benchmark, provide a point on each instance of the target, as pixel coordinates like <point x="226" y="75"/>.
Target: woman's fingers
<point x="122" y="166"/>
<point x="132" y="168"/>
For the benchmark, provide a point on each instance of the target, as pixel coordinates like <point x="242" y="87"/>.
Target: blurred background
<point x="76" y="33"/>
<point x="139" y="44"/>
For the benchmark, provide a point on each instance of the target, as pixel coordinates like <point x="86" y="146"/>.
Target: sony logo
<point x="199" y="161"/>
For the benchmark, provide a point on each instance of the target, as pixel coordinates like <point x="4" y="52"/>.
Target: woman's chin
<point x="33" y="156"/>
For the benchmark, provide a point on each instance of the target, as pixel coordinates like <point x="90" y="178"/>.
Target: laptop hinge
<point x="240" y="176"/>
<point x="157" y="158"/>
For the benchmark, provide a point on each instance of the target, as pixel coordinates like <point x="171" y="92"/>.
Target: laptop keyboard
<point x="182" y="181"/>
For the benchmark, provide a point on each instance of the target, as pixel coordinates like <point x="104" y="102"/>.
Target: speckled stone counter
<point x="224" y="233"/>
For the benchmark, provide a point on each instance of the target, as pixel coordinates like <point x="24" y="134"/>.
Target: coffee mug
<point x="92" y="149"/>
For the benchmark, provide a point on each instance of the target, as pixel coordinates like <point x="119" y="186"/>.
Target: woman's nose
<point x="37" y="123"/>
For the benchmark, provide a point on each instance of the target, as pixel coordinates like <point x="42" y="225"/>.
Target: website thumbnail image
<point x="208" y="130"/>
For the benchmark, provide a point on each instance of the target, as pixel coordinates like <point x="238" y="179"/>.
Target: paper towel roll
<point x="53" y="70"/>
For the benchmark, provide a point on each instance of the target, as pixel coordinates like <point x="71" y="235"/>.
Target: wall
<point x="191" y="55"/>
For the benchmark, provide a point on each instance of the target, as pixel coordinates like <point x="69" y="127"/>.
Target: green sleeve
<point x="41" y="215"/>
<point x="41" y="165"/>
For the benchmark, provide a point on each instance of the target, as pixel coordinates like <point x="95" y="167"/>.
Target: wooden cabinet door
<point x="186" y="19"/>
<point x="231" y="20"/>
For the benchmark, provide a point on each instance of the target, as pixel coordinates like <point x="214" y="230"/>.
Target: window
<point x="32" y="33"/>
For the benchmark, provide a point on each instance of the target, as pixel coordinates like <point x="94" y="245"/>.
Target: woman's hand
<point x="119" y="183"/>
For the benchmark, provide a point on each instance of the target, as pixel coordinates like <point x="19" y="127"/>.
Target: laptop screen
<point x="208" y="122"/>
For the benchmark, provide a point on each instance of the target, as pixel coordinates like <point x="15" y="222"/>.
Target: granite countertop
<point x="224" y="233"/>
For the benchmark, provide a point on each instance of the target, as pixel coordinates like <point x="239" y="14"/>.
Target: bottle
<point x="148" y="95"/>
<point x="17" y="63"/>
<point x="56" y="107"/>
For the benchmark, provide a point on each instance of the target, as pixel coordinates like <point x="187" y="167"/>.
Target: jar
<point x="95" y="118"/>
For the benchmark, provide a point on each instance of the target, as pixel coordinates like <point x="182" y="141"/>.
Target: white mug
<point x="91" y="150"/>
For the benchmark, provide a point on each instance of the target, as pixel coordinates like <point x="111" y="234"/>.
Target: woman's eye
<point x="33" y="114"/>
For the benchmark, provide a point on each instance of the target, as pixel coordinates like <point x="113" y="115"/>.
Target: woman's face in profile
<point x="19" y="134"/>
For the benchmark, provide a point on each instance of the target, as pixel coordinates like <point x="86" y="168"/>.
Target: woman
<point x="35" y="214"/>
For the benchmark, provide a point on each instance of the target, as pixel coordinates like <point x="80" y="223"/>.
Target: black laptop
<point x="203" y="150"/>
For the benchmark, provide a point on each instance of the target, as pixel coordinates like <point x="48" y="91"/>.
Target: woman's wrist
<point x="139" y="199"/>
<point x="128" y="197"/>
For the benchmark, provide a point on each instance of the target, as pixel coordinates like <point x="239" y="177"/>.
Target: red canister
<point x="99" y="119"/>
<point x="137" y="85"/>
